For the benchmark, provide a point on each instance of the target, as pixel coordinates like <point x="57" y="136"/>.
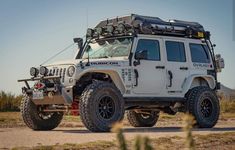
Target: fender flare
<point x="112" y="73"/>
<point x="188" y="82"/>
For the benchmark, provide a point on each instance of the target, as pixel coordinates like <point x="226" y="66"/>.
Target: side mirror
<point x="219" y="62"/>
<point x="79" y="41"/>
<point x="143" y="54"/>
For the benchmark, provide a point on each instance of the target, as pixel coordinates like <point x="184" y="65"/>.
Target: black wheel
<point x="203" y="104"/>
<point x="37" y="120"/>
<point x="101" y="104"/>
<point x="142" y="120"/>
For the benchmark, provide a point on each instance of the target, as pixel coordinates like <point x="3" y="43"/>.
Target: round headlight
<point x="89" y="33"/>
<point x="34" y="71"/>
<point x="71" y="71"/>
<point x="43" y="70"/>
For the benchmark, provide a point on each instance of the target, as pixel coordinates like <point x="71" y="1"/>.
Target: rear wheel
<point x="101" y="105"/>
<point x="203" y="104"/>
<point x="35" y="119"/>
<point x="141" y="119"/>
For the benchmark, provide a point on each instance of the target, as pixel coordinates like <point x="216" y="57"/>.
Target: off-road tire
<point x="195" y="98"/>
<point x="89" y="106"/>
<point x="32" y="119"/>
<point x="138" y="120"/>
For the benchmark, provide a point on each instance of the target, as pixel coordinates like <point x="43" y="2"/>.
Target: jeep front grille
<point x="58" y="72"/>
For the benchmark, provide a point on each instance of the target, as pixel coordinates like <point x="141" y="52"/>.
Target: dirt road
<point x="17" y="137"/>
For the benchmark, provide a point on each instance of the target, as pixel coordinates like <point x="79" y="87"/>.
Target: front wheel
<point x="203" y="104"/>
<point x="35" y="119"/>
<point x="141" y="119"/>
<point x="101" y="105"/>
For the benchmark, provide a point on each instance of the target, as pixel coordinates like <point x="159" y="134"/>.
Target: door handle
<point x="170" y="77"/>
<point x="183" y="68"/>
<point x="136" y="77"/>
<point x="160" y="67"/>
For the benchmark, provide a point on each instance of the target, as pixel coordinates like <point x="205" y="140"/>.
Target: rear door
<point x="177" y="68"/>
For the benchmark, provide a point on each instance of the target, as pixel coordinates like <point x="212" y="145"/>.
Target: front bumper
<point x="58" y="94"/>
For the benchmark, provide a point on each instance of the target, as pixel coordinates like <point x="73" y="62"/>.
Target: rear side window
<point x="175" y="51"/>
<point x="152" y="47"/>
<point x="199" y="53"/>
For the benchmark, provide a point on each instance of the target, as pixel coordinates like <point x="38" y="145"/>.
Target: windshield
<point x="106" y="48"/>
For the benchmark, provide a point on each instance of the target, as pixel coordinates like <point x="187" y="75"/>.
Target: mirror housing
<point x="219" y="62"/>
<point x="79" y="41"/>
<point x="143" y="54"/>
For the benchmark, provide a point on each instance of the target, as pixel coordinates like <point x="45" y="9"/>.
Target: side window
<point x="175" y="51"/>
<point x="199" y="53"/>
<point x="152" y="47"/>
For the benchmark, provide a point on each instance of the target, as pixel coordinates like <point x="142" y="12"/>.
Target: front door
<point x="150" y="71"/>
<point x="177" y="66"/>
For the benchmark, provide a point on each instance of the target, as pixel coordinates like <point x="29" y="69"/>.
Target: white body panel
<point x="152" y="82"/>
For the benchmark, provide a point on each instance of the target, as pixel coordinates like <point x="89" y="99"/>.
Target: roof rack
<point x="137" y="24"/>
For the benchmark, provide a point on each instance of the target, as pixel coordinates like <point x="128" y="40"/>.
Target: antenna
<point x="66" y="48"/>
<point x="86" y="17"/>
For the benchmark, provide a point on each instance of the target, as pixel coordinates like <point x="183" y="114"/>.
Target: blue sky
<point x="31" y="31"/>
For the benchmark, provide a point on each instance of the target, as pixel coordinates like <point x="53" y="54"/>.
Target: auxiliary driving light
<point x="89" y="33"/>
<point x="110" y="29"/>
<point x="43" y="70"/>
<point x="34" y="71"/>
<point x="99" y="30"/>
<point x="121" y="28"/>
<point x="71" y="71"/>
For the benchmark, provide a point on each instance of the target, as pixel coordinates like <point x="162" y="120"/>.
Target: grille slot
<point x="53" y="73"/>
<point x="63" y="76"/>
<point x="57" y="72"/>
<point x="61" y="71"/>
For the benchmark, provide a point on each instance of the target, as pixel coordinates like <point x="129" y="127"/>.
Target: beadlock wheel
<point x="203" y="104"/>
<point x="35" y="119"/>
<point x="101" y="105"/>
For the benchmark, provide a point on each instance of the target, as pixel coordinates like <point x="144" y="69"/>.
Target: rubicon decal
<point x="104" y="63"/>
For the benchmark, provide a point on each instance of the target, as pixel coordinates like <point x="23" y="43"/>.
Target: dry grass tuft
<point x="189" y="122"/>
<point x="117" y="128"/>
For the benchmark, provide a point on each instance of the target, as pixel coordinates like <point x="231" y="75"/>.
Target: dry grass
<point x="221" y="141"/>
<point x="98" y="145"/>
<point x="227" y="106"/>
<point x="10" y="119"/>
<point x="13" y="119"/>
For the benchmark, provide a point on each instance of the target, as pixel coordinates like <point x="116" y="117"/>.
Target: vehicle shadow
<point x="147" y="129"/>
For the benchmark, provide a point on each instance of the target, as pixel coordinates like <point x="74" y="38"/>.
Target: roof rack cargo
<point x="137" y="24"/>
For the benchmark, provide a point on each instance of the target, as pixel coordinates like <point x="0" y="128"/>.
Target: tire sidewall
<point x="150" y="121"/>
<point x="30" y="115"/>
<point x="196" y="97"/>
<point x="117" y="106"/>
<point x="212" y="119"/>
<point x="137" y="120"/>
<point x="89" y="106"/>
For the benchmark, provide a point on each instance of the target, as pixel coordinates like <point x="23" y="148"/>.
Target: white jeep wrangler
<point x="138" y="64"/>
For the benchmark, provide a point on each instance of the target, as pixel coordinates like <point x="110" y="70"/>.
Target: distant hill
<point x="226" y="93"/>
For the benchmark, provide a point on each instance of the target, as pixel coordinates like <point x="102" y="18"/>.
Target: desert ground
<point x="71" y="134"/>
